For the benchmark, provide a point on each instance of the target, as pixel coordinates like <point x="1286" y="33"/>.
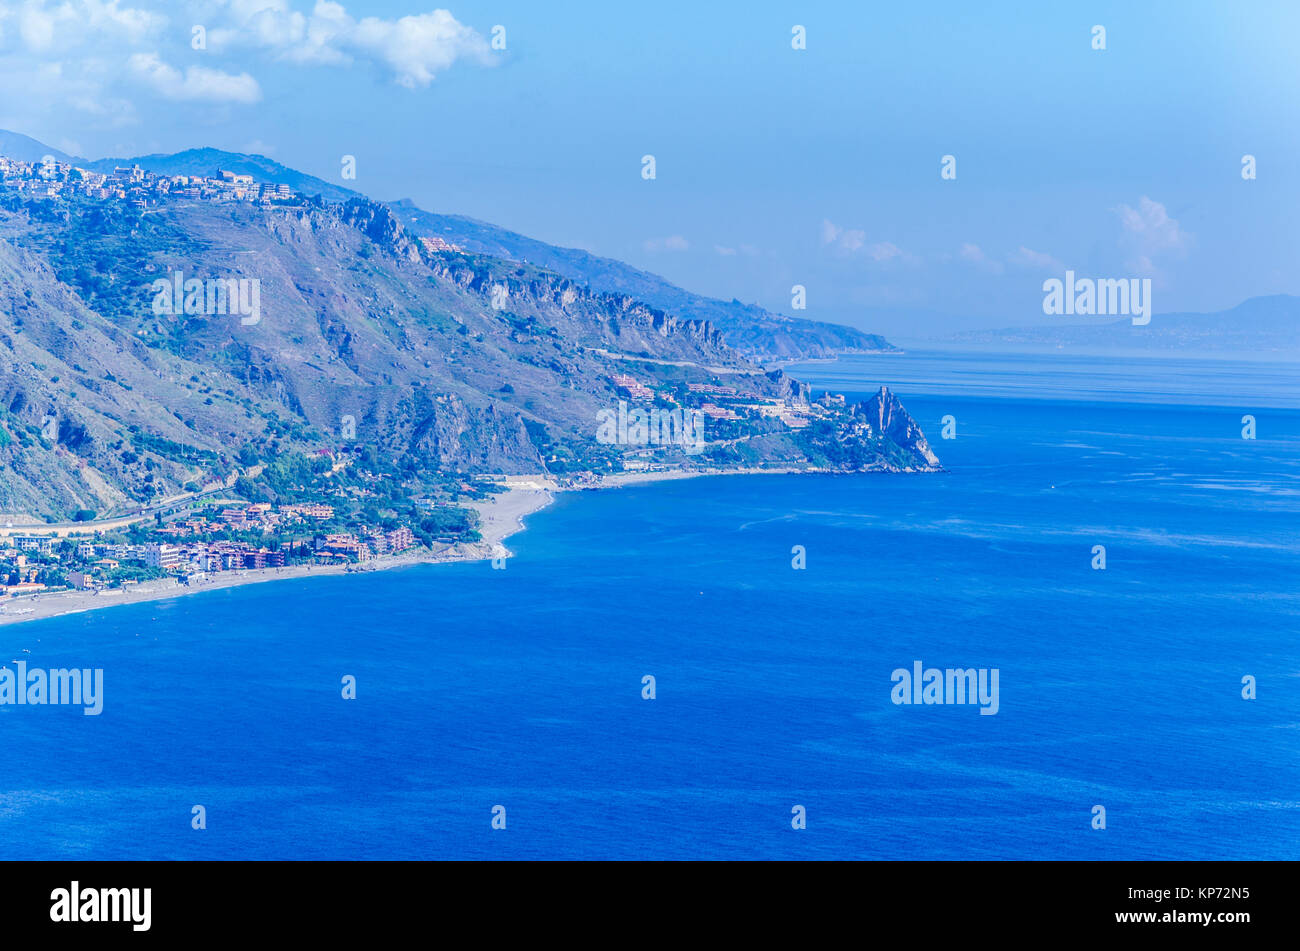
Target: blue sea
<point x="523" y="687"/>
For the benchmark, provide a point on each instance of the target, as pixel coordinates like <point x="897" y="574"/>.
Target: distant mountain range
<point x="1261" y="325"/>
<point x="764" y="336"/>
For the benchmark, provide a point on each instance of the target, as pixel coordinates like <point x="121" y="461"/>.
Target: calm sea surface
<point x="522" y="687"/>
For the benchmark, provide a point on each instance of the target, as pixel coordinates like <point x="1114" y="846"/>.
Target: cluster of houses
<point x="53" y="179"/>
<point x="258" y="517"/>
<point x="190" y="562"/>
<point x="185" y="549"/>
<point x="436" y="245"/>
<point x="363" y="546"/>
<point x="193" y="561"/>
<point x="24" y="581"/>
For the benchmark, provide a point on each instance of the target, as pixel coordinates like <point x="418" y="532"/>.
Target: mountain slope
<point x="75" y="393"/>
<point x="152" y="343"/>
<point x="764" y="336"/>
<point x="26" y="149"/>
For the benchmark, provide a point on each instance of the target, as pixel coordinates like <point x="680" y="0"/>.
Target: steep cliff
<point x="885" y="417"/>
<point x="877" y="435"/>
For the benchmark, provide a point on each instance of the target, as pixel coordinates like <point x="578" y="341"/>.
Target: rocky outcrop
<point x="378" y="223"/>
<point x="624" y="319"/>
<point x="885" y="417"/>
<point x="789" y="388"/>
<point x="460" y="438"/>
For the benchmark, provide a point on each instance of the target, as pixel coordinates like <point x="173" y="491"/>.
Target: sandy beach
<point x="621" y="479"/>
<point x="501" y="516"/>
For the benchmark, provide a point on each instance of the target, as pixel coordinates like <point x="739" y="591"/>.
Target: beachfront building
<point x="22" y="587"/>
<point x="84" y="581"/>
<point x="390" y="543"/>
<point x="165" y="557"/>
<point x="39" y="544"/>
<point x="348" y="547"/>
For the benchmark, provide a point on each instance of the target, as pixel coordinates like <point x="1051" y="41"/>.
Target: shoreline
<point x="501" y="516"/>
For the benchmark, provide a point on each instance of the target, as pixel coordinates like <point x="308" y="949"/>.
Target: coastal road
<point x="166" y="506"/>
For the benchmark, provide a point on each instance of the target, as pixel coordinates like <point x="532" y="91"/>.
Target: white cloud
<point x="92" y="60"/>
<point x="674" y="242"/>
<point x="851" y="241"/>
<point x="57" y="26"/>
<point x="66" y="55"/>
<point x="845" y="239"/>
<point x="748" y="250"/>
<point x="58" y="88"/>
<point x="974" y="254"/>
<point x="36" y="29"/>
<point x="1149" y="232"/>
<point x="1025" y="257"/>
<point x="197" y="83"/>
<point x="413" y="49"/>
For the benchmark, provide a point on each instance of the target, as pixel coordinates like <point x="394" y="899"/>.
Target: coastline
<point x="834" y="358"/>
<point x="621" y="479"/>
<point x="501" y="516"/>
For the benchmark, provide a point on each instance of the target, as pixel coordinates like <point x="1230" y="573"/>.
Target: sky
<point x="774" y="166"/>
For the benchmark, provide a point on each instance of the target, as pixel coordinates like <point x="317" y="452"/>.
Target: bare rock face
<point x="461" y="438"/>
<point x="889" y="420"/>
<point x="789" y="388"/>
<point x="380" y="225"/>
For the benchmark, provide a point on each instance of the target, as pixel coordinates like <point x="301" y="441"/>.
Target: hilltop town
<point x="141" y="189"/>
<point x="135" y="186"/>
